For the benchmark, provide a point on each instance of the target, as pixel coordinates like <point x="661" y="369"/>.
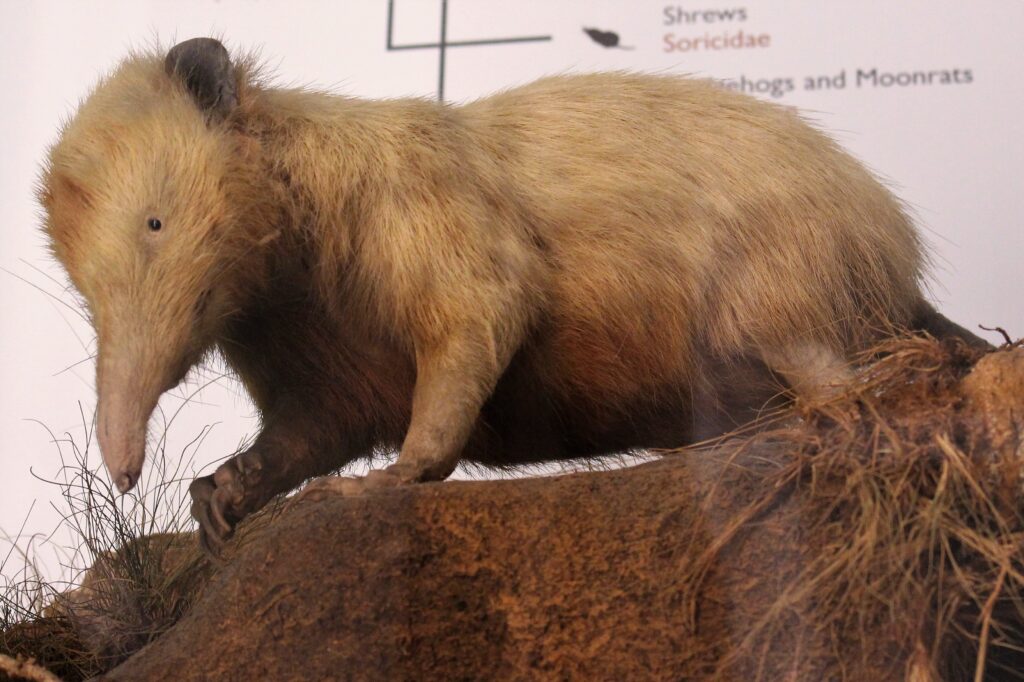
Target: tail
<point x="930" y="320"/>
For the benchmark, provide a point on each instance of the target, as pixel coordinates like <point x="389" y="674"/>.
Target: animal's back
<point x="680" y="218"/>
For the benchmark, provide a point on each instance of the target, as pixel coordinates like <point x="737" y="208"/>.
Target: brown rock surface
<point x="573" y="577"/>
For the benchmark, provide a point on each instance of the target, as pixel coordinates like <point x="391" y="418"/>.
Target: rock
<point x="574" y="577"/>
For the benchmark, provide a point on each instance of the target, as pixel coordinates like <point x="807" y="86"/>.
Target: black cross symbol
<point x="443" y="44"/>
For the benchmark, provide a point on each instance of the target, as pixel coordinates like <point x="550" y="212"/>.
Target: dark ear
<point x="204" y="66"/>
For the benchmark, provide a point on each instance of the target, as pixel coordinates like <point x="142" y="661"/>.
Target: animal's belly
<point x="556" y="402"/>
<point x="545" y="408"/>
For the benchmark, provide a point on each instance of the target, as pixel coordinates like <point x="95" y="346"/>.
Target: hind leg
<point x="731" y="394"/>
<point x="813" y="371"/>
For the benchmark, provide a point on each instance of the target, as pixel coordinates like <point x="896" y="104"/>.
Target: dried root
<point x="907" y="492"/>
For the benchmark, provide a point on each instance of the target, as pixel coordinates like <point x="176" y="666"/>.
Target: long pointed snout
<point x="127" y="397"/>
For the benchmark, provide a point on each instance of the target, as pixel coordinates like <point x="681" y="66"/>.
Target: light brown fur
<point x="581" y="265"/>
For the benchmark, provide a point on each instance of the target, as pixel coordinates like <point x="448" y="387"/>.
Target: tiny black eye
<point x="154" y="224"/>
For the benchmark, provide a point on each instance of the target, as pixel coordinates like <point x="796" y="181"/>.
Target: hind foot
<point x="814" y="371"/>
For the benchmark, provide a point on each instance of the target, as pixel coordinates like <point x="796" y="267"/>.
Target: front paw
<point x="222" y="500"/>
<point x="351" y="486"/>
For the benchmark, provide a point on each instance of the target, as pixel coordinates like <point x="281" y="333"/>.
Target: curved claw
<point x="202" y="491"/>
<point x="211" y="545"/>
<point x="221" y="500"/>
<point x="218" y="514"/>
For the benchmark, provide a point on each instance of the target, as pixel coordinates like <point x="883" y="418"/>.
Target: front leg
<point x="288" y="450"/>
<point x="452" y="383"/>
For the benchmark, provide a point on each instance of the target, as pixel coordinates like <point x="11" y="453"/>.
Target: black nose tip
<point x="125" y="482"/>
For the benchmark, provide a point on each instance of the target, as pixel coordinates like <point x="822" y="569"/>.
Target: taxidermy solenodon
<point x="579" y="266"/>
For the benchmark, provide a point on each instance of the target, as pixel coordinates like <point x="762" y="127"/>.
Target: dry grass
<point x="914" y="524"/>
<point x="25" y="669"/>
<point x="140" y="574"/>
